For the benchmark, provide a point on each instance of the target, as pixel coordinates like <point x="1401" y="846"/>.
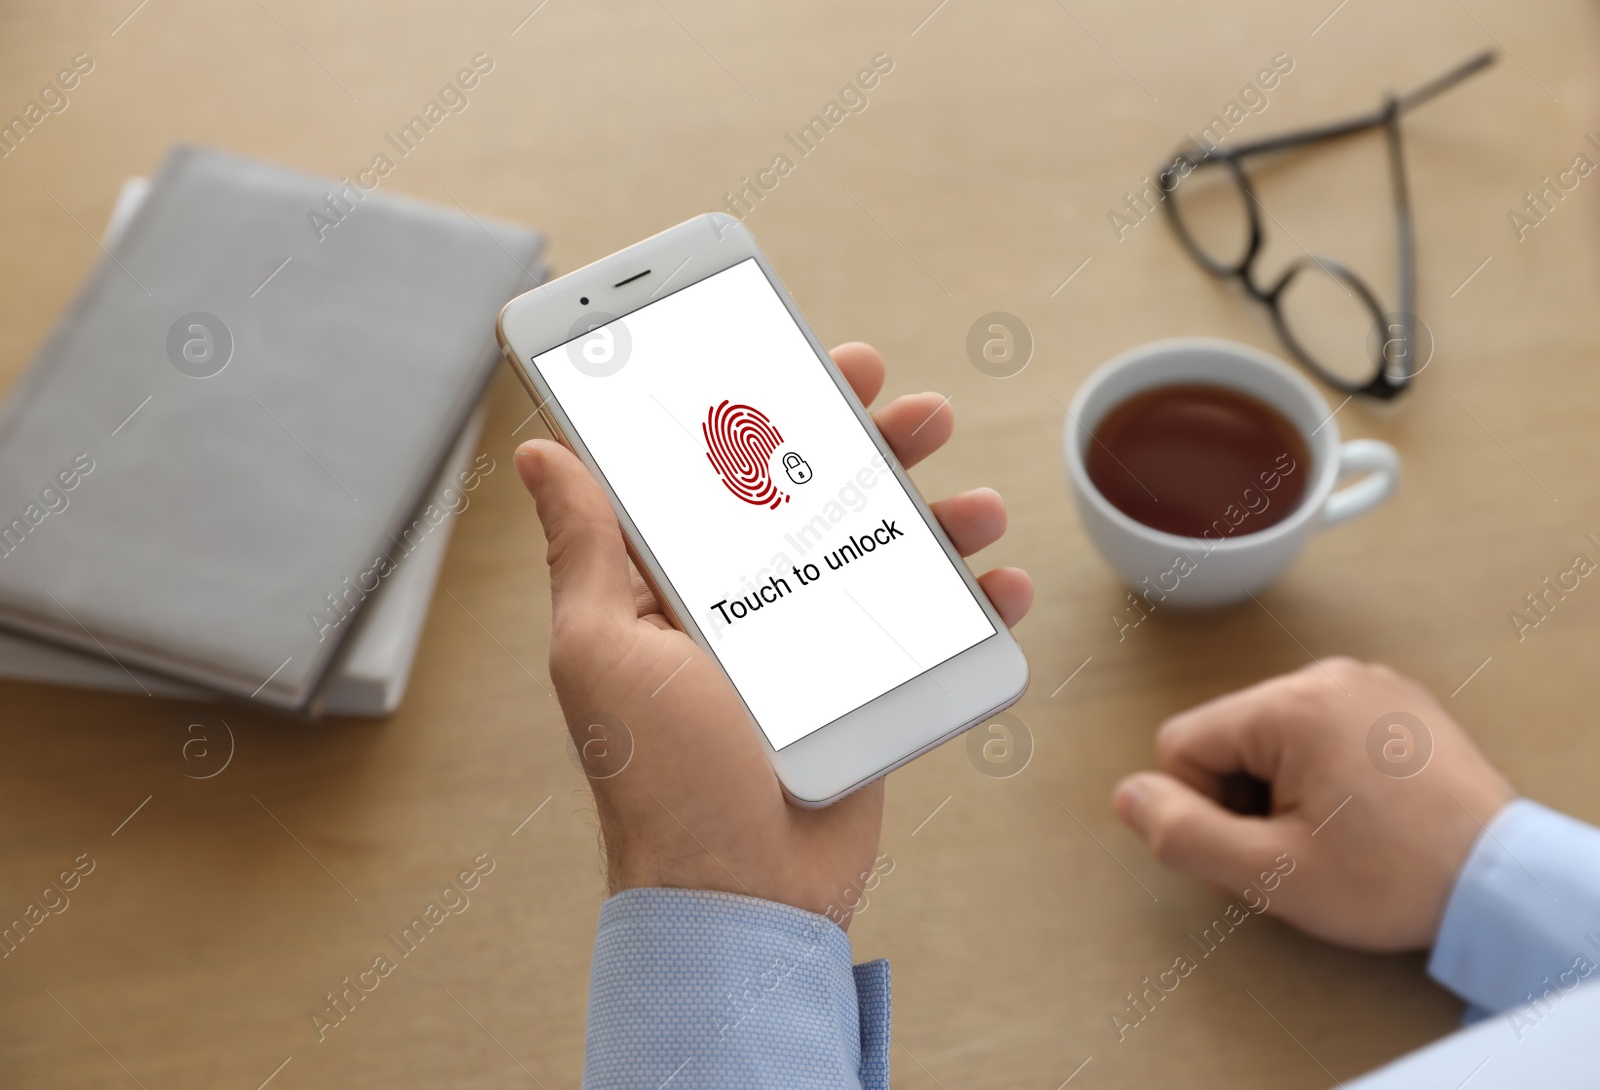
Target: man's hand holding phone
<point x="686" y="795"/>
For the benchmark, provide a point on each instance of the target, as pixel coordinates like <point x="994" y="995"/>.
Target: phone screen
<point x="768" y="507"/>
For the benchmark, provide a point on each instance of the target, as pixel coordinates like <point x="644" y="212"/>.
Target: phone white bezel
<point x="878" y="736"/>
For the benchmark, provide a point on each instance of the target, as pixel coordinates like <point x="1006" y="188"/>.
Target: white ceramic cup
<point x="1172" y="570"/>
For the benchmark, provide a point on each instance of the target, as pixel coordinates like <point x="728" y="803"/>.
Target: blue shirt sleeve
<point x="694" y="990"/>
<point x="1548" y="1049"/>
<point x="1522" y="926"/>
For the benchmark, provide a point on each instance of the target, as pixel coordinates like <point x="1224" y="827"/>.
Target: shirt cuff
<point x="692" y="988"/>
<point x="872" y="999"/>
<point x="1523" y="921"/>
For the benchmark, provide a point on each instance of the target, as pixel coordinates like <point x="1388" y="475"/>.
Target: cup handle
<point x="1381" y="465"/>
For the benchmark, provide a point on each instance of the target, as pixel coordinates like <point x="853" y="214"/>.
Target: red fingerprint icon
<point x="740" y="441"/>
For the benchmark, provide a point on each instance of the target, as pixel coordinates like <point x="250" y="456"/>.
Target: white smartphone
<point x="762" y="506"/>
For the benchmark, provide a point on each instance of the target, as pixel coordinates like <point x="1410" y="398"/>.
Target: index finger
<point x="862" y="368"/>
<point x="915" y="425"/>
<point x="1239" y="732"/>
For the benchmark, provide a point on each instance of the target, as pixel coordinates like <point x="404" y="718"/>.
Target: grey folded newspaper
<point x="252" y="415"/>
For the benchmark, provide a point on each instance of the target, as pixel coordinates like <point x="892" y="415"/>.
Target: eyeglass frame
<point x="1393" y="373"/>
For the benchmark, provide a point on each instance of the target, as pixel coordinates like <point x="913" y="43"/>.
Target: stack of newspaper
<point x="233" y="468"/>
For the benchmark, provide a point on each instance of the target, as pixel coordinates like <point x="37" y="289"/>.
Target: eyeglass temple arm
<point x="1448" y="80"/>
<point x="1406" y="242"/>
<point x="1373" y="120"/>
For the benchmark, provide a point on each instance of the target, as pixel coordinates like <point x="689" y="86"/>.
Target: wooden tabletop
<point x="979" y="177"/>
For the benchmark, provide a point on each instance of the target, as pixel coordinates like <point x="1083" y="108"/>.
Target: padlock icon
<point x="796" y="467"/>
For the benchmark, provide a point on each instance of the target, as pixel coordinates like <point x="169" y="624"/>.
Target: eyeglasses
<point x="1212" y="205"/>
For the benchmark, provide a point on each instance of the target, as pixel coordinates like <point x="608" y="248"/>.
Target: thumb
<point x="589" y="578"/>
<point x="1191" y="833"/>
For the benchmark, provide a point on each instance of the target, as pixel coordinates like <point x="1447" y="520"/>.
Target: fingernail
<point x="1129" y="794"/>
<point x="528" y="464"/>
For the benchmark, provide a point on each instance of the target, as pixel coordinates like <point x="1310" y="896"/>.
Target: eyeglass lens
<point x="1330" y="321"/>
<point x="1215" y="215"/>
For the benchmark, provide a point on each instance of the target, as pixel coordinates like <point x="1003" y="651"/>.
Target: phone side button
<point x="555" y="429"/>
